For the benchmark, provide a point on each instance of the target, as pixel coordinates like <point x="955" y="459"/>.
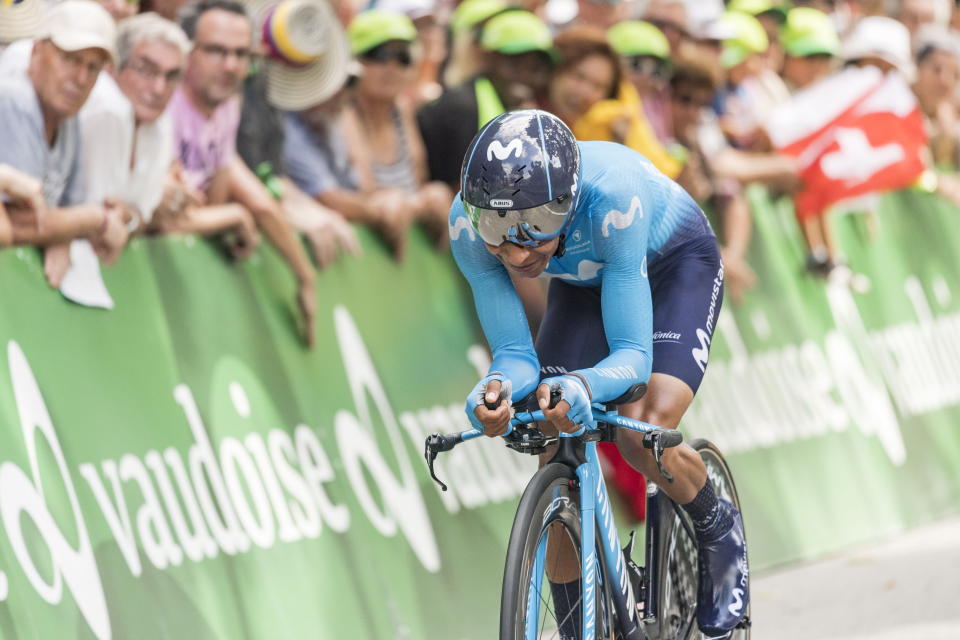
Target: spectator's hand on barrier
<point x="435" y="199"/>
<point x="244" y="234"/>
<point x="393" y="211"/>
<point x="786" y="173"/>
<point x="738" y="275"/>
<point x="493" y="422"/>
<point x="307" y="302"/>
<point x="56" y="263"/>
<point x="572" y="410"/>
<point x="112" y="237"/>
<point x="178" y="196"/>
<point x="329" y="233"/>
<point x="24" y="193"/>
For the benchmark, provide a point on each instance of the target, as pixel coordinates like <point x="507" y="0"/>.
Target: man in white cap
<point x="41" y="132"/>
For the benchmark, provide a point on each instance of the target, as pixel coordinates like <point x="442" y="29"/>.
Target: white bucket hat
<point x="20" y="19"/>
<point x="306" y="51"/>
<point x="883" y="38"/>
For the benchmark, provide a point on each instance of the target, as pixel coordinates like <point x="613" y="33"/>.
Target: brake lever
<point x="435" y="444"/>
<point x="653" y="440"/>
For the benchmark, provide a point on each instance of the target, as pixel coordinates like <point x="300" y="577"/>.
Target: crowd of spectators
<point x="234" y="120"/>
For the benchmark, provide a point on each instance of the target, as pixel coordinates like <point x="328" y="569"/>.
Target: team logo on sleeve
<point x="460" y="225"/>
<point x="620" y="220"/>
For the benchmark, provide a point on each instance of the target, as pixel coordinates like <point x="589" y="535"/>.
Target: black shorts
<point x="687" y="290"/>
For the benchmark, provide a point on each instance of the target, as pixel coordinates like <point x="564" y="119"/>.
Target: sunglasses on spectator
<point x="383" y="55"/>
<point x="689" y="100"/>
<point x="649" y="66"/>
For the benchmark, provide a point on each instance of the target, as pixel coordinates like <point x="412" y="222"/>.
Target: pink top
<point x="203" y="145"/>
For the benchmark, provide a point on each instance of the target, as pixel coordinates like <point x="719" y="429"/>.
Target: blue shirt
<point x="317" y="162"/>
<point x="627" y="217"/>
<point x="24" y="144"/>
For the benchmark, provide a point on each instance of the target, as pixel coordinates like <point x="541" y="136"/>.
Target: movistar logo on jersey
<point x="514" y="147"/>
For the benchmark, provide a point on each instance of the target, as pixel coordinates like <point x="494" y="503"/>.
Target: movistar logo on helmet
<point x="501" y="203"/>
<point x="514" y="147"/>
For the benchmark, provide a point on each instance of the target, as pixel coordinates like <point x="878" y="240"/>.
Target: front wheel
<point x="545" y="548"/>
<point x="677" y="576"/>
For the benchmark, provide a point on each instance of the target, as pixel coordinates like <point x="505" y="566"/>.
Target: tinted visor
<point x="528" y="227"/>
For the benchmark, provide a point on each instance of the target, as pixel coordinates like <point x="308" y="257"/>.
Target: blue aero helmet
<point x="520" y="178"/>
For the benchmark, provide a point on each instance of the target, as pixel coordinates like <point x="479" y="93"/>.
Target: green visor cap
<point x="809" y="32"/>
<point x="758" y="7"/>
<point x="516" y="32"/>
<point x="749" y="38"/>
<point x="372" y="28"/>
<point x="472" y="12"/>
<point x="638" y="38"/>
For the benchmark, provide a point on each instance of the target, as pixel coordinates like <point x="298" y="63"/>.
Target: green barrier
<point x="838" y="411"/>
<point x="181" y="467"/>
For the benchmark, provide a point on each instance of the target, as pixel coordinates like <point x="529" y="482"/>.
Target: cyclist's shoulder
<point x="613" y="170"/>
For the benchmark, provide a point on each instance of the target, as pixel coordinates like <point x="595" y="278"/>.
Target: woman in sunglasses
<point x="393" y="155"/>
<point x="589" y="94"/>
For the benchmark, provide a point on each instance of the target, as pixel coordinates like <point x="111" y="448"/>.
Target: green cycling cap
<point x="372" y="28"/>
<point x="472" y="12"/>
<point x="809" y="32"/>
<point x="638" y="38"/>
<point x="516" y="32"/>
<point x="748" y="38"/>
<point x="758" y="7"/>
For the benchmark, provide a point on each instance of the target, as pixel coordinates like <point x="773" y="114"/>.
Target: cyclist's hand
<point x="573" y="409"/>
<point x="492" y="422"/>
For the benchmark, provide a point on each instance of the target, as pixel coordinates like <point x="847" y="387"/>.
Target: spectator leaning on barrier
<point x="133" y="148"/>
<point x="19" y="20"/>
<point x="42" y="134"/>
<point x="516" y="69"/>
<point x="294" y="60"/>
<point x="322" y="141"/>
<point x="206" y="115"/>
<point x="392" y="145"/>
<point x="810" y="46"/>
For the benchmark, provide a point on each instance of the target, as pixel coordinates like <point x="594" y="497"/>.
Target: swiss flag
<point x="857" y="132"/>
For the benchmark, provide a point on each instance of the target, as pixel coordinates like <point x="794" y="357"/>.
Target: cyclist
<point x="637" y="283"/>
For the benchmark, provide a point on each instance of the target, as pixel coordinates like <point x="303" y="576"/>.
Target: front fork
<point x="595" y="507"/>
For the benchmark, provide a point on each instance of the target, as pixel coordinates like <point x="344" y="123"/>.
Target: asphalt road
<point x="906" y="588"/>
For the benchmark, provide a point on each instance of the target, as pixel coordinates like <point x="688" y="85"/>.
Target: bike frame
<point x="594" y="507"/>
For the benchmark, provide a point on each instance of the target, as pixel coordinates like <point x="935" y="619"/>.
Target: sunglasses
<point x="383" y="55"/>
<point x="649" y="66"/>
<point x="689" y="100"/>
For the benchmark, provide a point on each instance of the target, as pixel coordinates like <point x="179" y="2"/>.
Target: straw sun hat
<point x="306" y="49"/>
<point x="20" y="19"/>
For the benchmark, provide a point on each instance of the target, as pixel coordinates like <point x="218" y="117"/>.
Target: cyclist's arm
<point x="498" y="306"/>
<point x="625" y="296"/>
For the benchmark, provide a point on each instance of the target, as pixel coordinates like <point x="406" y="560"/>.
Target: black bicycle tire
<point x="672" y="518"/>
<point x="530" y="517"/>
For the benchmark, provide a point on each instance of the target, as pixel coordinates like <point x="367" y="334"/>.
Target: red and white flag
<point x="857" y="132"/>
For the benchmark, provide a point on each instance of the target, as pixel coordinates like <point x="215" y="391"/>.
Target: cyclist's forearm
<point x="520" y="367"/>
<point x="616" y="373"/>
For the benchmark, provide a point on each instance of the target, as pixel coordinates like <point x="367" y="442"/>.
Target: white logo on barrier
<point x="620" y="220"/>
<point x="514" y="147"/>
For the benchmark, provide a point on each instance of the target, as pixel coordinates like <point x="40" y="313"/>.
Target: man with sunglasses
<point x="206" y="116"/>
<point x="637" y="284"/>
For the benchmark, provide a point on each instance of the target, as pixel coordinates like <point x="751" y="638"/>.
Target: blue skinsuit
<point x="628" y="216"/>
